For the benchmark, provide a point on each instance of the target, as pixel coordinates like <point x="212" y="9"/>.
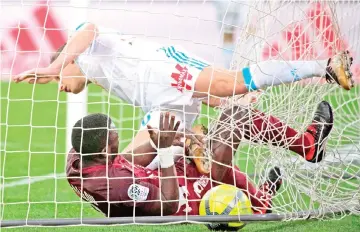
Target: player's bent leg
<point x="258" y="127"/>
<point x="309" y="145"/>
<point x="223" y="146"/>
<point x="262" y="128"/>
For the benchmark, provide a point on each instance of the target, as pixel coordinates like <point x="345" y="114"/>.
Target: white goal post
<point x="76" y="103"/>
<point x="249" y="31"/>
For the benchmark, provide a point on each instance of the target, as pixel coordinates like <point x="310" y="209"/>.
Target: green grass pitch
<point x="33" y="145"/>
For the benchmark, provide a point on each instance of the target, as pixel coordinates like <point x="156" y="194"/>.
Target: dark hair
<point x="90" y="133"/>
<point x="57" y="53"/>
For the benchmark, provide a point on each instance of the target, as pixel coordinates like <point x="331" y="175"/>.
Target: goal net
<point x="302" y="30"/>
<point x="36" y="120"/>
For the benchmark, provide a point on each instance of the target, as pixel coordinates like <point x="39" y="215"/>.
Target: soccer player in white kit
<point x="159" y="77"/>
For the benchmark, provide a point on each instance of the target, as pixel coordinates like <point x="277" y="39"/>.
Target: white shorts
<point x="171" y="76"/>
<point x="187" y="116"/>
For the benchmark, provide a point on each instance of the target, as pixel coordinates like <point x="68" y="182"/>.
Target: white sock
<point x="276" y="72"/>
<point x="155" y="163"/>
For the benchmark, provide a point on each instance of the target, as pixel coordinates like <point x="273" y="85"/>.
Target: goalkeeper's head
<point x="73" y="80"/>
<point x="94" y="137"/>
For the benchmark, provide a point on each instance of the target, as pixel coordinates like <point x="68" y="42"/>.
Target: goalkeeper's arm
<point x="149" y="199"/>
<point x="76" y="45"/>
<point x="169" y="191"/>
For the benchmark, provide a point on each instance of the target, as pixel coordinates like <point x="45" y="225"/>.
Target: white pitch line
<point x="28" y="181"/>
<point x="16" y="145"/>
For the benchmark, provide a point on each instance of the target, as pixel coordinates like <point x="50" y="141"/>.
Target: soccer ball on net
<point x="225" y="200"/>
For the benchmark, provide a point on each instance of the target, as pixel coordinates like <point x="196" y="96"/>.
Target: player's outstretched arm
<point x="76" y="45"/>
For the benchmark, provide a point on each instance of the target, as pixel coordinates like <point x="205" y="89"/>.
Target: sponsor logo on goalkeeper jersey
<point x="180" y="77"/>
<point x="138" y="192"/>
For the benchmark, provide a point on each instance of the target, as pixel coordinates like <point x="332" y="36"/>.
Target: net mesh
<point x="311" y="31"/>
<point x="33" y="122"/>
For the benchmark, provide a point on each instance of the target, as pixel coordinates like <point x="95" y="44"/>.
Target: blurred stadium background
<point x="34" y="119"/>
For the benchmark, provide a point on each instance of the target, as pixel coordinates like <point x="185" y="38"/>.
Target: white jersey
<point x="143" y="73"/>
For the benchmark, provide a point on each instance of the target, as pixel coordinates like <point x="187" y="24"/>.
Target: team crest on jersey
<point x="181" y="77"/>
<point x="137" y="192"/>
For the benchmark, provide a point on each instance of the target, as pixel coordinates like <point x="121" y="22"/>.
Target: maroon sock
<point x="270" y="129"/>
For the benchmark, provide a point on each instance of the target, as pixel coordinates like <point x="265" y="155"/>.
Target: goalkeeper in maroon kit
<point x="116" y="184"/>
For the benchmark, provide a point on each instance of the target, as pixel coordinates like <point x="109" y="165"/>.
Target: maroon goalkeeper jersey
<point x="124" y="189"/>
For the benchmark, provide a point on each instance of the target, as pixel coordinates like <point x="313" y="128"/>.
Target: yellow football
<point x="225" y="200"/>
